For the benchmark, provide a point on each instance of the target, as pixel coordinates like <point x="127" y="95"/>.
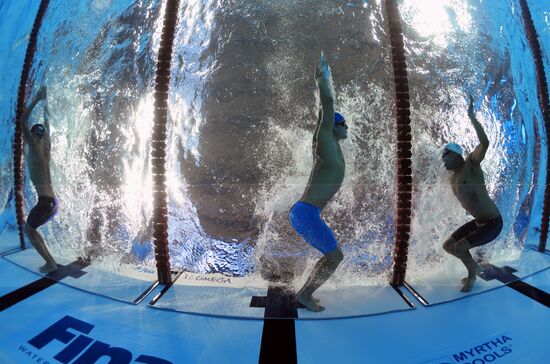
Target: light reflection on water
<point x="434" y="20"/>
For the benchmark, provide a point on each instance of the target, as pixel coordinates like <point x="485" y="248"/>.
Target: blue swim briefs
<point x="306" y="220"/>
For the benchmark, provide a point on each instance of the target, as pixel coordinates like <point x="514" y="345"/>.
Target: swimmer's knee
<point x="29" y="230"/>
<point x="450" y="245"/>
<point x="463" y="246"/>
<point x="339" y="255"/>
<point x="336" y="256"/>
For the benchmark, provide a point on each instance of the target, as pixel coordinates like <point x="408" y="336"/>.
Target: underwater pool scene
<point x="241" y="99"/>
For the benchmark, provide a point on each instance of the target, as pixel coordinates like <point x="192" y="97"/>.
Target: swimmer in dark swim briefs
<point x="44" y="211"/>
<point x="325" y="180"/>
<point x="468" y="185"/>
<point x="38" y="143"/>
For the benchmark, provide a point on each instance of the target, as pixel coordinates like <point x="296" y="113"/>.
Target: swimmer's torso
<point x="38" y="162"/>
<point x="468" y="185"/>
<point x="327" y="173"/>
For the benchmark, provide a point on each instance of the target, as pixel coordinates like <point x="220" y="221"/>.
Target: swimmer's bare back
<point x="329" y="167"/>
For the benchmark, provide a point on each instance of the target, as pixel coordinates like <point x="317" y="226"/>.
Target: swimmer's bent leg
<point x="461" y="249"/>
<point x="459" y="245"/>
<point x="325" y="268"/>
<point x="45" y="210"/>
<point x="38" y="243"/>
<point x="306" y="220"/>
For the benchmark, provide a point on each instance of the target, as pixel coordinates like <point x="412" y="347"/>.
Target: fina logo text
<point x="79" y="346"/>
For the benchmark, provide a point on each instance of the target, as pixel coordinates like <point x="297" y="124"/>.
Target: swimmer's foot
<point x="314" y="299"/>
<point x="91" y="252"/>
<point x="468" y="283"/>
<point x="310" y="303"/>
<point x="48" y="268"/>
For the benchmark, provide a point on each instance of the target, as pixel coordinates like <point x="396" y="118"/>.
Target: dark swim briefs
<point x="45" y="209"/>
<point x="306" y="220"/>
<point x="479" y="234"/>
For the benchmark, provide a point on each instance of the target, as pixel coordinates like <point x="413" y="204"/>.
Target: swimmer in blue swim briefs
<point x="38" y="143"/>
<point x="468" y="185"/>
<point x="325" y="180"/>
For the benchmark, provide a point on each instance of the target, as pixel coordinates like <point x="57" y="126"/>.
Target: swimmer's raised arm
<point x="40" y="95"/>
<point x="319" y="119"/>
<point x="323" y="76"/>
<point x="479" y="152"/>
<point x="46" y="115"/>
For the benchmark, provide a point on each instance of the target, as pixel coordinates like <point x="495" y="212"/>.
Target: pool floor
<point x="60" y="323"/>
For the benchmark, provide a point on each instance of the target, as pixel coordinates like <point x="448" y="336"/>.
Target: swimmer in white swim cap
<point x="468" y="185"/>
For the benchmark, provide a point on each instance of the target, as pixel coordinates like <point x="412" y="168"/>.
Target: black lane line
<point x="73" y="269"/>
<point x="402" y="295"/>
<point x="506" y="275"/>
<point x="146" y="293"/>
<point x="175" y="276"/>
<point x="279" y="333"/>
<point x="416" y="295"/>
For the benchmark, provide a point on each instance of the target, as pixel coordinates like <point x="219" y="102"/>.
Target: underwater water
<point x="242" y="109"/>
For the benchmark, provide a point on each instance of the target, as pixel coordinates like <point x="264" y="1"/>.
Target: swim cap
<point x="453" y="147"/>
<point x="338" y="118"/>
<point x="38" y="129"/>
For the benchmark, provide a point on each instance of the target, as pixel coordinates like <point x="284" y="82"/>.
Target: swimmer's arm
<point x="319" y="119"/>
<point x="323" y="76"/>
<point x="47" y="117"/>
<point x="25" y="118"/>
<point x="479" y="152"/>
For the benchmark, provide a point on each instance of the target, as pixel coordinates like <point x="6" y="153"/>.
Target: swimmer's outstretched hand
<point x="471" y="107"/>
<point x="323" y="76"/>
<point x="322" y="70"/>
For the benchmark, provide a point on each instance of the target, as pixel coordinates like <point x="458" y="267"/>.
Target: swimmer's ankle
<point x="310" y="297"/>
<point x="468" y="278"/>
<point x="310" y="303"/>
<point x="468" y="283"/>
<point x="48" y="268"/>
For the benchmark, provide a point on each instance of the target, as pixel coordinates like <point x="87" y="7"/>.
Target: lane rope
<point x="404" y="144"/>
<point x="158" y="143"/>
<point x="18" y="157"/>
<point x="542" y="90"/>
